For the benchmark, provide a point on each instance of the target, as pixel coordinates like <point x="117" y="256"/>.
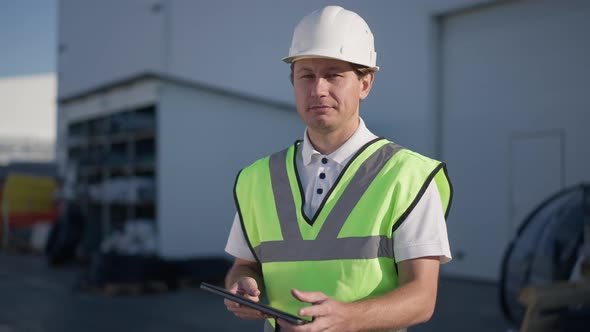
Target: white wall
<point x="103" y="41"/>
<point x="204" y="139"/>
<point x="27" y="106"/>
<point x="28" y="117"/>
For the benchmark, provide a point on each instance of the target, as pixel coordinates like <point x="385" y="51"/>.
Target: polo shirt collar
<point x="341" y="156"/>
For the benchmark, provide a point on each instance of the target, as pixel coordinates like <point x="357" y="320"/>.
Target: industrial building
<point x="28" y="110"/>
<point x="174" y="97"/>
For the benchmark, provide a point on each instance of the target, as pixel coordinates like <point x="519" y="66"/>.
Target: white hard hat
<point x="336" y="33"/>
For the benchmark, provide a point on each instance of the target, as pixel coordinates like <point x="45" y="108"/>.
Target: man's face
<point x="328" y="93"/>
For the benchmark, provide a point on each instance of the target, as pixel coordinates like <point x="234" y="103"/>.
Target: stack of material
<point x="130" y="190"/>
<point x="138" y="237"/>
<point x="128" y="264"/>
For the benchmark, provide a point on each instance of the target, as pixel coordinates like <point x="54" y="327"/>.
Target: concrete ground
<point x="37" y="298"/>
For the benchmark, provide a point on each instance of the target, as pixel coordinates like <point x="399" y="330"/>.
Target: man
<point x="344" y="227"/>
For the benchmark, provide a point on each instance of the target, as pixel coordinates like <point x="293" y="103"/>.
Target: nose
<point x="319" y="87"/>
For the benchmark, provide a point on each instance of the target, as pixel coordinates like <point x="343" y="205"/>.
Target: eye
<point x="306" y="76"/>
<point x="333" y="75"/>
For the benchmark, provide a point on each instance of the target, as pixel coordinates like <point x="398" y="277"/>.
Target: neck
<point x="327" y="142"/>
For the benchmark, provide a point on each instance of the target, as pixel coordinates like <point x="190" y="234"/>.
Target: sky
<point x="28" y="30"/>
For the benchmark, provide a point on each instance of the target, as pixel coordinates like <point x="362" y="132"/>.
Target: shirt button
<point x="320" y="191"/>
<point x="324" y="160"/>
<point x="322" y="176"/>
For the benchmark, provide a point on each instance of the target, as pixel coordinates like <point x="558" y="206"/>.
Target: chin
<point x="321" y="126"/>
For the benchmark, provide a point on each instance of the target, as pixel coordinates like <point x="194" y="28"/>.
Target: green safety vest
<point x="346" y="249"/>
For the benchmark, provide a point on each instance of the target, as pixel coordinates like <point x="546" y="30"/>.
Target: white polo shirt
<point x="423" y="233"/>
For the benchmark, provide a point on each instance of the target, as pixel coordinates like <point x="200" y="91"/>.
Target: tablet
<point x="270" y="311"/>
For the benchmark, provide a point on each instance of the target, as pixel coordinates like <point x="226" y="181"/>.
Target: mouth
<point x="319" y="108"/>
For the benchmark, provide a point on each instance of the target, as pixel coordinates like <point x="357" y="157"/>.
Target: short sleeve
<point x="424" y="232"/>
<point x="237" y="245"/>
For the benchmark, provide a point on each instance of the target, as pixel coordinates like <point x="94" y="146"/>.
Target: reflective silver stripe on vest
<point x="327" y="245"/>
<point x="281" y="189"/>
<point x="366" y="247"/>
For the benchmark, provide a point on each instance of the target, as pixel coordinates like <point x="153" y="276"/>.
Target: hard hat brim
<point x="291" y="59"/>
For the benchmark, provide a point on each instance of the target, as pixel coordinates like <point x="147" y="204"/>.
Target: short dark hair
<point x="360" y="70"/>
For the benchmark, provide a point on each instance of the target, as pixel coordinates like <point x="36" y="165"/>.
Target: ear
<point x="366" y="85"/>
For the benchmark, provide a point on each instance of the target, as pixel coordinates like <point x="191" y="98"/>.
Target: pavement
<point x="37" y="298"/>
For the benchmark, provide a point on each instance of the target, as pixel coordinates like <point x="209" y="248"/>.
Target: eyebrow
<point x="333" y="68"/>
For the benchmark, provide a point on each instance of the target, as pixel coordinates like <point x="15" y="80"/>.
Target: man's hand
<point x="328" y="314"/>
<point x="248" y="288"/>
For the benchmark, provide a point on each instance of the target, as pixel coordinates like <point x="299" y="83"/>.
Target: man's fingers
<point x="230" y="303"/>
<point x="310" y="297"/>
<point x="316" y="310"/>
<point x="312" y="326"/>
<point x="250" y="315"/>
<point x="243" y="311"/>
<point x="248" y="286"/>
<point x="251" y="298"/>
<point x="284" y="324"/>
